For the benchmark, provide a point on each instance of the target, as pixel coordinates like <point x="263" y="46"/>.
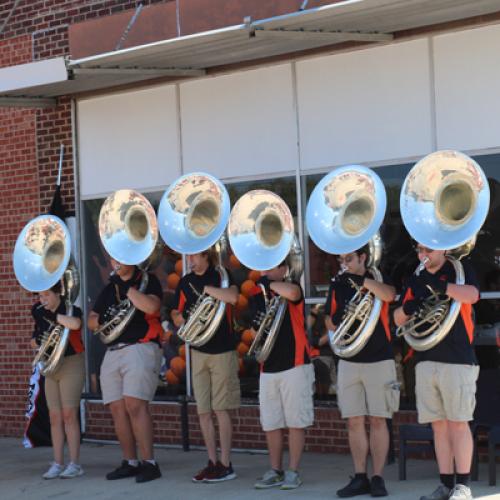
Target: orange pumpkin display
<point x="171" y="378"/>
<point x="173" y="280"/>
<point x="178" y="366"/>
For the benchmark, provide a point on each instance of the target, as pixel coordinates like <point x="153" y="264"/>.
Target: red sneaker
<point x="220" y="473"/>
<point x="201" y="475"/>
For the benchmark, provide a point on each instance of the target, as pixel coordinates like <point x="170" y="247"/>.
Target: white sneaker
<point x="460" y="492"/>
<point x="71" y="471"/>
<point x="54" y="471"/>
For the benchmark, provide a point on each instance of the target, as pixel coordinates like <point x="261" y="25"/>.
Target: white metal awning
<point x="187" y="56"/>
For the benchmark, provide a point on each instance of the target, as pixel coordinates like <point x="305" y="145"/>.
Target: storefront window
<point x="398" y="259"/>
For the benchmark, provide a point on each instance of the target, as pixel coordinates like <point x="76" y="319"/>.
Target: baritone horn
<point x="192" y="217"/>
<point x="129" y="234"/>
<point x="344" y="213"/>
<point x="261" y="235"/>
<point x="42" y="257"/>
<point x="444" y="202"/>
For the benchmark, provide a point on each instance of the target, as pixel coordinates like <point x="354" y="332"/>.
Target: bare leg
<point x="142" y="426"/>
<point x="123" y="429"/>
<point x="57" y="433"/>
<point x="225" y="435"/>
<point x="208" y="431"/>
<point x="358" y="443"/>
<point x="275" y="446"/>
<point x="379" y="443"/>
<point x="442" y="445"/>
<point x="296" y="438"/>
<point x="72" y="429"/>
<point x="462" y="445"/>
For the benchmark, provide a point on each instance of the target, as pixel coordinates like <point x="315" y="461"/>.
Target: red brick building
<point x="303" y="53"/>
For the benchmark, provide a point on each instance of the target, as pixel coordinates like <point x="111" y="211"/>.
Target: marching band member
<point x="63" y="388"/>
<point x="446" y="374"/>
<point x="366" y="382"/>
<point x="214" y="365"/>
<point x="130" y="369"/>
<point x="286" y="381"/>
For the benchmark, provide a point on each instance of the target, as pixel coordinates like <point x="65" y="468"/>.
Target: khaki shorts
<point x="286" y="398"/>
<point x="216" y="384"/>
<point x="367" y="389"/>
<point x="63" y="389"/>
<point x="132" y="371"/>
<point x="445" y="391"/>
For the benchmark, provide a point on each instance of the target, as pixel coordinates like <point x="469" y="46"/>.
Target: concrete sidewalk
<point x="21" y="470"/>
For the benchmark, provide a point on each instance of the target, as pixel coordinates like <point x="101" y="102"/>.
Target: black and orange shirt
<point x="378" y="347"/>
<point x="43" y="324"/>
<point x="188" y="290"/>
<point x="291" y="347"/>
<point x="142" y="327"/>
<point x="457" y="346"/>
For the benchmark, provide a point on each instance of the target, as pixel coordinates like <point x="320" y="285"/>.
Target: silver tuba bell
<point x="129" y="233"/>
<point x="261" y="235"/>
<point x="444" y="202"/>
<point x="192" y="217"/>
<point x="344" y="213"/>
<point x="42" y="257"/>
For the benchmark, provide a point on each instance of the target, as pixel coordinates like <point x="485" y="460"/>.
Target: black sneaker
<point x="377" y="487"/>
<point x="357" y="486"/>
<point x="125" y="470"/>
<point x="147" y="472"/>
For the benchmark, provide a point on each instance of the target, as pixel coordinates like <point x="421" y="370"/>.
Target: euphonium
<point x="129" y="233"/>
<point x="444" y="202"/>
<point x="261" y="235"/>
<point x="344" y="213"/>
<point x="42" y="257"/>
<point x="192" y="216"/>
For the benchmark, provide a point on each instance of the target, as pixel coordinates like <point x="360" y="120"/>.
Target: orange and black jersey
<point x="291" y="347"/>
<point x="378" y="347"/>
<point x="142" y="327"/>
<point x="457" y="346"/>
<point x="43" y="323"/>
<point x="224" y="339"/>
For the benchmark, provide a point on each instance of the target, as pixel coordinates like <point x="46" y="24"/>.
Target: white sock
<point x="134" y="462"/>
<point x="152" y="461"/>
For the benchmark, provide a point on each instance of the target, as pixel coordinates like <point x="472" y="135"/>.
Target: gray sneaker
<point x="442" y="492"/>
<point x="269" y="480"/>
<point x="71" y="471"/>
<point x="460" y="492"/>
<point x="292" y="480"/>
<point x="54" y="471"/>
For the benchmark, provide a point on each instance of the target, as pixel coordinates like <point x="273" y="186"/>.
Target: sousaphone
<point x="42" y="257"/>
<point x="344" y="213"/>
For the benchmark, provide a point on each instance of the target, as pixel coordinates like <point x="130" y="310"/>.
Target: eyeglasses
<point x="345" y="260"/>
<point x="421" y="249"/>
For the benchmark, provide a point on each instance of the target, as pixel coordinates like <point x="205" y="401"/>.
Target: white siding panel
<point x="239" y="124"/>
<point x="128" y="140"/>
<point x="468" y="89"/>
<point x="368" y="105"/>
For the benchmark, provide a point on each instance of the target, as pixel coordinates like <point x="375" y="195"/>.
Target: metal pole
<point x="61" y="156"/>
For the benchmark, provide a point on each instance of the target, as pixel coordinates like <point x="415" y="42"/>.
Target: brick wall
<point x="328" y="435"/>
<point x="29" y="154"/>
